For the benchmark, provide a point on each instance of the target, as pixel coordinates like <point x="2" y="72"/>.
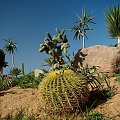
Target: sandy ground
<point x="15" y="98"/>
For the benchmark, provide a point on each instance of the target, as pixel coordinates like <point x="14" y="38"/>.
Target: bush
<point x="27" y="81"/>
<point x="5" y="82"/>
<point x="95" y="116"/>
<point x="15" y="72"/>
<point x="117" y="77"/>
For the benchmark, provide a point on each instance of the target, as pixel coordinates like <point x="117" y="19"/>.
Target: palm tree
<point x="112" y="18"/>
<point x="82" y="26"/>
<point x="10" y="47"/>
<point x="3" y="63"/>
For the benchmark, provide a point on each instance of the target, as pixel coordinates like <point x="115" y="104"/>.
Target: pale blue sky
<point x="29" y="20"/>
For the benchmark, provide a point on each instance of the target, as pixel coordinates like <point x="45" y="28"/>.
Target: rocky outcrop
<point x="107" y="58"/>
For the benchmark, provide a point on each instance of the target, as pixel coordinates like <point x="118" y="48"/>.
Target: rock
<point x="38" y="72"/>
<point x="107" y="58"/>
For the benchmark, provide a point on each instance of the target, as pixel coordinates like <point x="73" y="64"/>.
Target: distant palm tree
<point x="3" y="63"/>
<point x="10" y="47"/>
<point x="112" y="18"/>
<point x="82" y="26"/>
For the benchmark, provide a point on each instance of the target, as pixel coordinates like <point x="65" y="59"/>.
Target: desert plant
<point x="63" y="90"/>
<point x="22" y="69"/>
<point x="96" y="116"/>
<point x="112" y="18"/>
<point x="82" y="26"/>
<point x="27" y="81"/>
<point x="55" y="46"/>
<point x="5" y="82"/>
<point x="94" y="78"/>
<point x="117" y="75"/>
<point x="21" y="115"/>
<point x="15" y="71"/>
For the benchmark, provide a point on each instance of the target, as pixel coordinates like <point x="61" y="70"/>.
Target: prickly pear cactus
<point x="63" y="91"/>
<point x="55" y="46"/>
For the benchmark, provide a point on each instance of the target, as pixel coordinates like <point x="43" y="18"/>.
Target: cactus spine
<point x="63" y="91"/>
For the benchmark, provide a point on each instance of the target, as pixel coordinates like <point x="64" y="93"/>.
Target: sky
<point x="27" y="21"/>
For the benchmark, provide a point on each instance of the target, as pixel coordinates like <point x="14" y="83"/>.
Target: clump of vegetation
<point x="27" y="81"/>
<point x="20" y="115"/>
<point x="5" y="82"/>
<point x="95" y="116"/>
<point x="15" y="71"/>
<point x="23" y="115"/>
<point x="93" y="77"/>
<point x="117" y="75"/>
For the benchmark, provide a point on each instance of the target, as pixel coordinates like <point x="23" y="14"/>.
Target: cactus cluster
<point x="55" y="46"/>
<point x="63" y="90"/>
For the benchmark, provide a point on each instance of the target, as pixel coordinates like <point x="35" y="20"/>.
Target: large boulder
<point x="107" y="58"/>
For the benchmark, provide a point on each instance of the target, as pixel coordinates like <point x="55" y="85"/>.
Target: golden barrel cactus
<point x="63" y="90"/>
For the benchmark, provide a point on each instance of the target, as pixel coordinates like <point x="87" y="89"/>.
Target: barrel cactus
<point x="63" y="90"/>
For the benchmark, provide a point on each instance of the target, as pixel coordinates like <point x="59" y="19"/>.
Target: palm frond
<point x="10" y="46"/>
<point x="112" y="19"/>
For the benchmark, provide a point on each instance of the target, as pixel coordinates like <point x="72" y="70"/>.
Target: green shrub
<point x="5" y="82"/>
<point x="15" y="72"/>
<point x="63" y="91"/>
<point x="95" y="116"/>
<point x="117" y="77"/>
<point x="27" y="81"/>
<point x="21" y="115"/>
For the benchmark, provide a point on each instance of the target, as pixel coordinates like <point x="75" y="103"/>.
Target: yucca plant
<point x="63" y="90"/>
<point x="82" y="26"/>
<point x="112" y="18"/>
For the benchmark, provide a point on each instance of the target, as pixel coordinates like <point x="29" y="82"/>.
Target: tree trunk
<point x="13" y="61"/>
<point x="83" y="41"/>
<point x="119" y="41"/>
